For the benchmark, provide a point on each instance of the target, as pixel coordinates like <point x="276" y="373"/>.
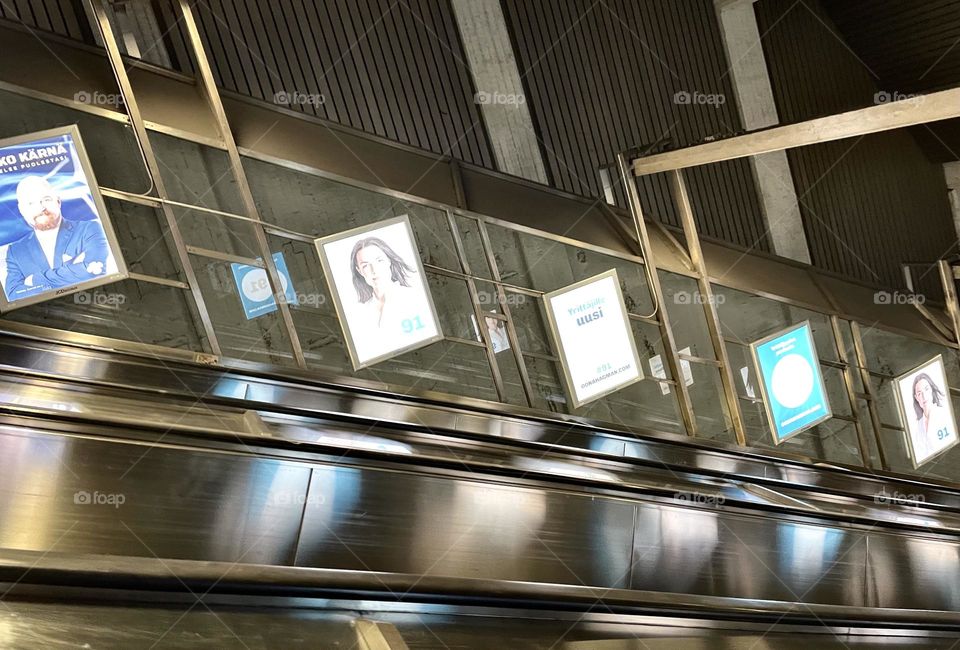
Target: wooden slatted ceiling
<point x="867" y="204"/>
<point x="601" y="77"/>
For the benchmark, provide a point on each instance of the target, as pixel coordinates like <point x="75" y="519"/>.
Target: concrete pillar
<point x="496" y="76"/>
<point x="758" y="109"/>
<point x="952" y="171"/>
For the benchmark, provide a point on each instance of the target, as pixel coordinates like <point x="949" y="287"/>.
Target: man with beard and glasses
<point x="60" y="252"/>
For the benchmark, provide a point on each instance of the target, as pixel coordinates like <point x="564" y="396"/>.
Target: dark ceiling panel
<point x="911" y="46"/>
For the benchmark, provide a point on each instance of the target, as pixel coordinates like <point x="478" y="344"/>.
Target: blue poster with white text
<point x="793" y="388"/>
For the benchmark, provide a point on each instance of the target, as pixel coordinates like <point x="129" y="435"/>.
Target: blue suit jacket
<point x="25" y="258"/>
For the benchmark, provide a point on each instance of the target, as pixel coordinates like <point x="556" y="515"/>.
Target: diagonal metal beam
<point x="934" y="107"/>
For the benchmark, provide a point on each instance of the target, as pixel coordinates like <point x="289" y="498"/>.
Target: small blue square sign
<point x="254" y="289"/>
<point x="791" y="382"/>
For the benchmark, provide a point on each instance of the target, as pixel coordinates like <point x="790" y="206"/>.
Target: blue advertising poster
<point x="792" y="385"/>
<point x="55" y="236"/>
<point x="254" y="289"/>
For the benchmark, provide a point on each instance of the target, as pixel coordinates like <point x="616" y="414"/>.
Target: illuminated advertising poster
<point x="790" y="381"/>
<point x="926" y="411"/>
<point x="254" y="288"/>
<point x="381" y="293"/>
<point x="592" y="335"/>
<point x="55" y="235"/>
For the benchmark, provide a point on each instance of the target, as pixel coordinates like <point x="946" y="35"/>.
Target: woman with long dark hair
<point x="928" y="402"/>
<point x="382" y="280"/>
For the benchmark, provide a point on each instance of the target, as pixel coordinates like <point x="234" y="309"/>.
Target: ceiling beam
<point x="934" y="107"/>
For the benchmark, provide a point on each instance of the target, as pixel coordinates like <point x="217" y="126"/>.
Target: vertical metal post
<point x="868" y="389"/>
<point x="949" y="282"/>
<point x="478" y="313"/>
<point x="666" y="332"/>
<point x="153" y="168"/>
<point x="851" y="391"/>
<point x="502" y="298"/>
<point x="212" y="95"/>
<point x="709" y="306"/>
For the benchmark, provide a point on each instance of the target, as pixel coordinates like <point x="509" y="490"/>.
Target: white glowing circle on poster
<point x="792" y="381"/>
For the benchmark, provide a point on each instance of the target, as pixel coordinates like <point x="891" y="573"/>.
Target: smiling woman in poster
<point x="934" y="426"/>
<point x="390" y="307"/>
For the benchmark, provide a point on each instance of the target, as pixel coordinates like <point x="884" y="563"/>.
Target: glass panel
<point x="545" y="377"/>
<point x="530" y="323"/>
<point x="863" y="414"/>
<point x="473" y="247"/>
<point x="196" y="174"/>
<point x="221" y="234"/>
<point x="263" y="338"/>
<point x="540" y="263"/>
<point x="147" y="245"/>
<point x="836" y="390"/>
<point x="445" y="367"/>
<point x="748" y="318"/>
<point x="315" y="206"/>
<point x="893" y="354"/>
<point x="836" y="441"/>
<point x="744" y="371"/>
<point x="685" y="306"/>
<point x="512" y="384"/>
<point x="755" y="425"/>
<point x="110" y="144"/>
<point x="639" y="406"/>
<point x="452" y="300"/>
<point x="706" y="395"/>
<point x="314" y="316"/>
<point x="489" y="299"/>
<point x="886" y="401"/>
<point x="124" y="310"/>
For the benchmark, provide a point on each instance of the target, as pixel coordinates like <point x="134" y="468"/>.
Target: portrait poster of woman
<point x="381" y="293"/>
<point x="927" y="411"/>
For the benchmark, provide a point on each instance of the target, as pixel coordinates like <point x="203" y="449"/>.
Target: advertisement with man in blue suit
<point x="55" y="236"/>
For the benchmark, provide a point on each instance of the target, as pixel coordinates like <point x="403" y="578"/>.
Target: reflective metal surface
<point x="350" y="483"/>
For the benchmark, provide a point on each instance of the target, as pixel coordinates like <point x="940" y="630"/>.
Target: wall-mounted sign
<point x="926" y="410"/>
<point x="254" y="288"/>
<point x="55" y="235"/>
<point x="593" y="338"/>
<point x="790" y="381"/>
<point x="380" y="290"/>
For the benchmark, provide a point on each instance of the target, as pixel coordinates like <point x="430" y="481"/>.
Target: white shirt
<point x="48" y="242"/>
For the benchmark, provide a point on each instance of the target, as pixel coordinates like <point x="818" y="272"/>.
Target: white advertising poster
<point x="592" y="335"/>
<point x="926" y="411"/>
<point x="380" y="290"/>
